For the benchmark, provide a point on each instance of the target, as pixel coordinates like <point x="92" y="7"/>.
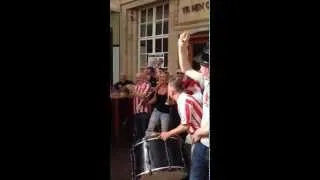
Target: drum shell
<point x="154" y="154"/>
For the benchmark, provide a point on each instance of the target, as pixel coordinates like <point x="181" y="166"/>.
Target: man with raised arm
<point x="200" y="156"/>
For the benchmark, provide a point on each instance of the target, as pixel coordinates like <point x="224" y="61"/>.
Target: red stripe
<point x="196" y="122"/>
<point x="141" y="88"/>
<point x="196" y="115"/>
<point x="196" y="106"/>
<point x="195" y="100"/>
<point x="188" y="114"/>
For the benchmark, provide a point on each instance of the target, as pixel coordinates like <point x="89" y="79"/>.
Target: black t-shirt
<point x="174" y="115"/>
<point x="161" y="103"/>
<point x="120" y="84"/>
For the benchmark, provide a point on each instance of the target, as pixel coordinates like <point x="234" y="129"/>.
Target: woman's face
<point x="163" y="78"/>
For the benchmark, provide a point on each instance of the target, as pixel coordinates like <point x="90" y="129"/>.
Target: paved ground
<point x="120" y="164"/>
<point x="120" y="158"/>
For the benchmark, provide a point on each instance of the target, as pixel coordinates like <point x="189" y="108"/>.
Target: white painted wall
<point x="116" y="64"/>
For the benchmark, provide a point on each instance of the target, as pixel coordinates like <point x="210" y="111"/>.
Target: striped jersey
<point x="193" y="88"/>
<point x="190" y="111"/>
<point x="145" y="88"/>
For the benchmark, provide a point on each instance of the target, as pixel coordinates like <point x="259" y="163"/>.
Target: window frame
<point x="153" y="37"/>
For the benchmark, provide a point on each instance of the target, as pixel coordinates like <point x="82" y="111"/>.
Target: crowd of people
<point x="175" y="105"/>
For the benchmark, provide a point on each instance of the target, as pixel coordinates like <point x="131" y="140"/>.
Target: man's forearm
<point x="183" y="58"/>
<point x="178" y="130"/>
<point x="203" y="132"/>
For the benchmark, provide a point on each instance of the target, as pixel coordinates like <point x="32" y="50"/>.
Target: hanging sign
<point x="156" y="60"/>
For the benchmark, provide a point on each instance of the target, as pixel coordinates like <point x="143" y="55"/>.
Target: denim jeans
<point x="200" y="162"/>
<point x="156" y="118"/>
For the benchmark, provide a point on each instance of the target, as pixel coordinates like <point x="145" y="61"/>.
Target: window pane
<point x="165" y="27"/>
<point x="142" y="30"/>
<point x="150" y="14"/>
<point x="143" y="60"/>
<point x="149" y="30"/>
<point x="166" y="10"/>
<point x="158" y="45"/>
<point x="159" y="28"/>
<point x="159" y="13"/>
<point x="143" y="15"/>
<point x="149" y="46"/>
<point x="165" y="44"/>
<point x="166" y="60"/>
<point x="143" y="46"/>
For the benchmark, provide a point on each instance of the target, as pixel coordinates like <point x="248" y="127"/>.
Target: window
<point x="153" y="33"/>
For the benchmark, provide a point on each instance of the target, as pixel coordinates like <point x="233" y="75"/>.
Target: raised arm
<point x="184" y="63"/>
<point x="183" y="44"/>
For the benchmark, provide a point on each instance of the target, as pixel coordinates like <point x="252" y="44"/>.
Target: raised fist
<point x="184" y="39"/>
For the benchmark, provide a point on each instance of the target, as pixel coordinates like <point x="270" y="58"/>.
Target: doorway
<point x="197" y="42"/>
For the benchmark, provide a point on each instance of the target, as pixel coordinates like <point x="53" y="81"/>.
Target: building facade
<point x="114" y="62"/>
<point x="150" y="28"/>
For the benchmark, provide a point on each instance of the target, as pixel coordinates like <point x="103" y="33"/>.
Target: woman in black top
<point x="160" y="113"/>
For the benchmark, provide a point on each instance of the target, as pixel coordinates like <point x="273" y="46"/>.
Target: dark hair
<point x="176" y="84"/>
<point x="151" y="69"/>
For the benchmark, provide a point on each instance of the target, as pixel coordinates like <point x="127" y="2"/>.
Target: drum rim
<point x="161" y="168"/>
<point x="150" y="139"/>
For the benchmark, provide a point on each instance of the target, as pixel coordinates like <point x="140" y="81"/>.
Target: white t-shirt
<point x="205" y="122"/>
<point x="205" y="84"/>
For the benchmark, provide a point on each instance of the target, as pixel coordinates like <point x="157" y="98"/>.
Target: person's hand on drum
<point x="164" y="135"/>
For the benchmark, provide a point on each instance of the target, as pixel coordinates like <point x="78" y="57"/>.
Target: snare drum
<point x="157" y="159"/>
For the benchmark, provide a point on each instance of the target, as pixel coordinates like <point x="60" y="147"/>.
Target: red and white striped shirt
<point x="193" y="88"/>
<point x="190" y="111"/>
<point x="143" y="87"/>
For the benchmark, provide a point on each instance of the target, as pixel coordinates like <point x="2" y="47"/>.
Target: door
<point x="197" y="42"/>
